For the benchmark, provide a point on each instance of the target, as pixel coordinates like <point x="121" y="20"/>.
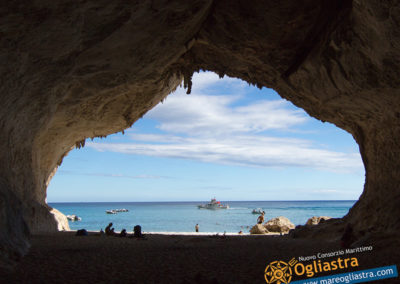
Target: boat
<point x="257" y="211"/>
<point x="213" y="205"/>
<point x="115" y="211"/>
<point x="73" y="218"/>
<point x="121" y="210"/>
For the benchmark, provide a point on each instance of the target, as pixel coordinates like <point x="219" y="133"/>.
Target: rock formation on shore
<point x="77" y="70"/>
<point x="258" y="229"/>
<point x="279" y="224"/>
<point x="316" y="220"/>
<point x="61" y="219"/>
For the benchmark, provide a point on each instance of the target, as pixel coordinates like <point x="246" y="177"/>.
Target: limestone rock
<point x="258" y="229"/>
<point x="14" y="233"/>
<point x="279" y="224"/>
<point x="316" y="220"/>
<point x="61" y="219"/>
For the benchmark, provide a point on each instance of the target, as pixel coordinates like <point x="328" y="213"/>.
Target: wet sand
<point x="66" y="258"/>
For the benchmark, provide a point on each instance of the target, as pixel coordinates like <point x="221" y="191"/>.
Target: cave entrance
<point x="226" y="140"/>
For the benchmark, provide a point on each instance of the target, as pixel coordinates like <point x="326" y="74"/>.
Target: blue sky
<point x="226" y="140"/>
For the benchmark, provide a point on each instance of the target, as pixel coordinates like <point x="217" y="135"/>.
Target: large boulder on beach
<point x="315" y="220"/>
<point x="62" y="221"/>
<point x="279" y="224"/>
<point x="258" y="229"/>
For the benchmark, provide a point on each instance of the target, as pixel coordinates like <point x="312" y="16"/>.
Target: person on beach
<point x="260" y="218"/>
<point x="196" y="228"/>
<point x="137" y="232"/>
<point x="109" y="230"/>
<point x="123" y="233"/>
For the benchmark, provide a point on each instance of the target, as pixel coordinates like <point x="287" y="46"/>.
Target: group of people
<point x="109" y="231"/>
<point x="260" y="220"/>
<point x="137" y="230"/>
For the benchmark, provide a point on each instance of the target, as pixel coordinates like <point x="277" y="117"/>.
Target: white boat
<point x="121" y="210"/>
<point x="213" y="205"/>
<point x="111" y="212"/>
<point x="73" y="218"/>
<point x="257" y="211"/>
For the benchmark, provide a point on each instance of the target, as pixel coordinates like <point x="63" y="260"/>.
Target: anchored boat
<point x="73" y="218"/>
<point x="257" y="211"/>
<point x="115" y="211"/>
<point x="213" y="205"/>
<point x="122" y="210"/>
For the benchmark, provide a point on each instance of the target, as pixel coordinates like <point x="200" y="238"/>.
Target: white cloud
<point x="214" y="115"/>
<point x="328" y="191"/>
<point x="220" y="129"/>
<point x="66" y="172"/>
<point x="204" y="80"/>
<point x="245" y="150"/>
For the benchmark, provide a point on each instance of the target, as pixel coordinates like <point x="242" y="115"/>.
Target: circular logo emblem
<point x="278" y="272"/>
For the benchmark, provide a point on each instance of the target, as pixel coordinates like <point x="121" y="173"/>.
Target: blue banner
<point x="354" y="276"/>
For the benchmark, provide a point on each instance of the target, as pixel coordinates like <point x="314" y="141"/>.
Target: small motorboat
<point x="121" y="210"/>
<point x="111" y="211"/>
<point x="257" y="211"/>
<point x="73" y="218"/>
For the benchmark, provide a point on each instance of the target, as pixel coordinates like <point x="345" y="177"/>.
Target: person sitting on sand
<point x="109" y="230"/>
<point x="260" y="218"/>
<point x="137" y="232"/>
<point x="123" y="233"/>
<point x="196" y="228"/>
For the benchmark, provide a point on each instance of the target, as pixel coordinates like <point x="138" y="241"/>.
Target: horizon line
<point x="202" y="201"/>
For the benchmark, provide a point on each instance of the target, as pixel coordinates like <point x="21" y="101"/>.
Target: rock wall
<point x="76" y="70"/>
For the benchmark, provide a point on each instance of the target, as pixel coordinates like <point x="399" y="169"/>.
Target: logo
<point x="279" y="272"/>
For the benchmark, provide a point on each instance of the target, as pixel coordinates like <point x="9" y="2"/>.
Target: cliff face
<point x="72" y="71"/>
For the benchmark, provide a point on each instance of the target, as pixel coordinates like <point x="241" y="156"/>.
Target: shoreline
<point x="179" y="233"/>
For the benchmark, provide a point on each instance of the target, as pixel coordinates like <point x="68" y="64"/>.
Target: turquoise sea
<point x="183" y="216"/>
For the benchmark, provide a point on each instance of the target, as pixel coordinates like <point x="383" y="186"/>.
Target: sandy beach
<point x="66" y="258"/>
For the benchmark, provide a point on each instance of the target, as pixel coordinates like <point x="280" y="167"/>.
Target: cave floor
<point x="65" y="258"/>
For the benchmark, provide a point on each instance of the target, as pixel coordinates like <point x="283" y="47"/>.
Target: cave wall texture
<point x="72" y="70"/>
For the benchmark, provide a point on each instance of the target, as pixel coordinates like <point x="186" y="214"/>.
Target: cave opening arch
<point x="225" y="135"/>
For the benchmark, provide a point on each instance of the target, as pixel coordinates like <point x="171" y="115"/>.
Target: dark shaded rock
<point x="14" y="233"/>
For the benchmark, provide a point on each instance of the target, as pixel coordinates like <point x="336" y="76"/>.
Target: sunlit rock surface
<point x="258" y="229"/>
<point x="279" y="224"/>
<point x="75" y="70"/>
<point x="315" y="220"/>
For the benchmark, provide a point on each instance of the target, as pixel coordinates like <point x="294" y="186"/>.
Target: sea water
<point x="183" y="216"/>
